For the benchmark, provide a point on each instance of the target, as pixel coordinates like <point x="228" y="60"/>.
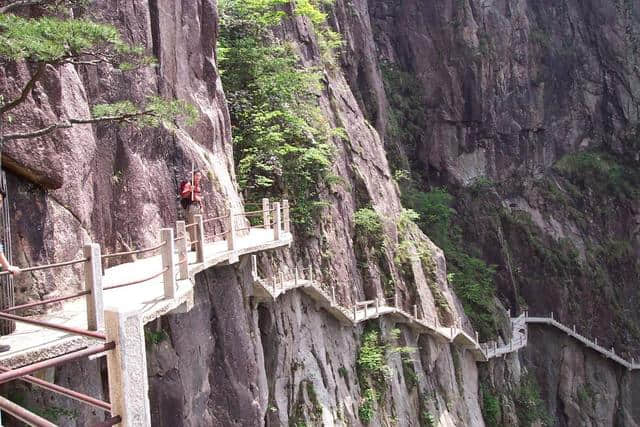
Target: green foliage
<point x="491" y="408"/>
<point x="281" y="139"/>
<point x="428" y="419"/>
<point x="368" y="406"/>
<point x="155" y="112"/>
<point x="600" y="172"/>
<point x="50" y="412"/>
<point x="155" y="337"/>
<point x="406" y="125"/>
<point x="529" y="405"/>
<point x="471" y="278"/>
<point x="54" y="40"/>
<point x="368" y="228"/>
<point x="371" y="357"/>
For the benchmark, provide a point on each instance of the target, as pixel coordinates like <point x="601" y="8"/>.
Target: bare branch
<point x="37" y="133"/>
<point x="70" y="122"/>
<point x="26" y="90"/>
<point x="22" y="3"/>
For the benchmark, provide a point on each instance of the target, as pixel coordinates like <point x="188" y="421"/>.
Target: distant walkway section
<point x="303" y="280"/>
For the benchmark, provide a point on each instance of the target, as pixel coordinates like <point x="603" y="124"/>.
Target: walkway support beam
<point x="93" y="283"/>
<point x="183" y="261"/>
<point x="127" y="368"/>
<point x="168" y="263"/>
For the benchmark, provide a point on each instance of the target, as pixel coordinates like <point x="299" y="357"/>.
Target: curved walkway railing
<point x="272" y="288"/>
<point x="592" y="344"/>
<point x="361" y="311"/>
<point x="172" y="268"/>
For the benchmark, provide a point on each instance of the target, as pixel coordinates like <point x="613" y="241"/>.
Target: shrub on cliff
<point x="281" y="138"/>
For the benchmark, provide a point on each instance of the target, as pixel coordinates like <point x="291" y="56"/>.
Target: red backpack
<point x="184" y="201"/>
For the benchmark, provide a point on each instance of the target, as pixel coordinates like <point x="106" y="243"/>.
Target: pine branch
<point x="26" y="90"/>
<point x="37" y="133"/>
<point x="70" y="122"/>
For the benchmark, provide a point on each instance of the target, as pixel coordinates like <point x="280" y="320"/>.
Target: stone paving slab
<point x="31" y="343"/>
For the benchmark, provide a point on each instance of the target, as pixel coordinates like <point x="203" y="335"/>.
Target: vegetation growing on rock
<point x="282" y="141"/>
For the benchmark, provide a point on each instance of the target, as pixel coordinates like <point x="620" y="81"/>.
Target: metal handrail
<point x="48" y="266"/>
<point x="64" y="391"/>
<point x="48" y="325"/>
<point x="137" y="281"/>
<point x="74" y="355"/>
<point x="138" y="251"/>
<point x="44" y="302"/>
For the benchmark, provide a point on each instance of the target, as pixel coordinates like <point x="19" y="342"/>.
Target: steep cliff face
<point x="528" y="113"/>
<point x="109" y="184"/>
<point x="500" y="91"/>
<point x="229" y="361"/>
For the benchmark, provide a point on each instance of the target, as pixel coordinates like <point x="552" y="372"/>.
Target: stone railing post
<point x="354" y="312"/>
<point x="333" y="294"/>
<point x="93" y="283"/>
<point x="231" y="230"/>
<point x="127" y="368"/>
<point x="183" y="260"/>
<point x="596" y="341"/>
<point x="395" y="300"/>
<point x="295" y="277"/>
<point x="415" y="311"/>
<point x="277" y="221"/>
<point x="200" y="236"/>
<point x="552" y="315"/>
<point x="285" y="216"/>
<point x="168" y="263"/>
<point x="365" y="311"/>
<point x="266" y="214"/>
<point x="377" y="307"/>
<point x="477" y="337"/>
<point x="310" y="273"/>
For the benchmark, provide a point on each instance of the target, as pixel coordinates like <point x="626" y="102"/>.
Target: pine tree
<point x="55" y="41"/>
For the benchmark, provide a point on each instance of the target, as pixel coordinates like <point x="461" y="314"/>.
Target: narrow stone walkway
<point x="32" y="343"/>
<point x="270" y="290"/>
<point x="592" y="344"/>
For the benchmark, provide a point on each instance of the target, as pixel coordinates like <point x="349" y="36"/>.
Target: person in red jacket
<point x="192" y="201"/>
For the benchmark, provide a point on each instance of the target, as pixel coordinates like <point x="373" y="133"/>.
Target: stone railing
<point x="115" y="310"/>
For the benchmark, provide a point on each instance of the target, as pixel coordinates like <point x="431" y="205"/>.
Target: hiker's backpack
<point x="184" y="201"/>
